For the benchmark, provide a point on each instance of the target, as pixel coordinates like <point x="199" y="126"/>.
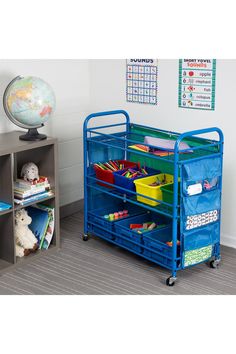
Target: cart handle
<point x="107" y="113"/>
<point x="199" y="132"/>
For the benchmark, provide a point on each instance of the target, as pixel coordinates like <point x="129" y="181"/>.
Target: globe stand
<point x="33" y="135"/>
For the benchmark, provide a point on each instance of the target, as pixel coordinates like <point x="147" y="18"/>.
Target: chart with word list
<point x="197" y="83"/>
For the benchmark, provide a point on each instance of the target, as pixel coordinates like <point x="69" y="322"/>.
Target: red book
<point x="136" y="226"/>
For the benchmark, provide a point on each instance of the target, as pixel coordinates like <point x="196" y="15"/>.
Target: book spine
<point x="32" y="187"/>
<point x="44" y="233"/>
<point x="21" y="196"/>
<point x="28" y="194"/>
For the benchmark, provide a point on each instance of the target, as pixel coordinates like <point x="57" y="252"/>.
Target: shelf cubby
<point x="43" y="157"/>
<point x="14" y="153"/>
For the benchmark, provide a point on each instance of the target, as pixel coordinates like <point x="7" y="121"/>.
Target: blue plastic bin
<point x="122" y="228"/>
<point x="124" y="240"/>
<point x="96" y="218"/>
<point x="128" y="183"/>
<point x="156" y="242"/>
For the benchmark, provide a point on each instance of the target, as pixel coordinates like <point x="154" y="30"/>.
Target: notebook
<point x="40" y="220"/>
<point x="165" y="143"/>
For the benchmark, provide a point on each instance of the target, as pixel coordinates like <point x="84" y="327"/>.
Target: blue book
<point x="40" y="220"/>
<point x="33" y="198"/>
<point x="4" y="206"/>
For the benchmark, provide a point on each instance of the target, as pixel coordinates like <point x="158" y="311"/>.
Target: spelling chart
<point x="141" y="81"/>
<point x="197" y="83"/>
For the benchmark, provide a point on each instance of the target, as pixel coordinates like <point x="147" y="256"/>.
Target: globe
<point x="29" y="102"/>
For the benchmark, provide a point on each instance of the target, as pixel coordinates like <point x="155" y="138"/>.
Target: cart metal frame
<point x="112" y="140"/>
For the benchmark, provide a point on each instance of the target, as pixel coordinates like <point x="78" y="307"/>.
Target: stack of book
<point x="42" y="224"/>
<point x="27" y="192"/>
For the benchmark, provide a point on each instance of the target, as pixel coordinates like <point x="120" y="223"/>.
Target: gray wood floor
<point x="97" y="267"/>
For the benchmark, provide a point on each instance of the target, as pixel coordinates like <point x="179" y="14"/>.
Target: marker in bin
<point x="159" y="182"/>
<point x="131" y="173"/>
<point x="117" y="215"/>
<point x="111" y="165"/>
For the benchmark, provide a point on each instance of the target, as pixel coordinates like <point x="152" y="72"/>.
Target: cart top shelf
<point x="130" y="134"/>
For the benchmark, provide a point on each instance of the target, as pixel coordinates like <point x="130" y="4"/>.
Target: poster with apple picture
<point x="197" y="83"/>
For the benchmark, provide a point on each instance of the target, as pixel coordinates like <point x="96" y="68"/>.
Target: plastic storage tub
<point x="168" y="193"/>
<point x="98" y="224"/>
<point x="108" y="176"/>
<point x="128" y="183"/>
<point x="155" y="192"/>
<point x="126" y="235"/>
<point x="158" y="250"/>
<point x="126" y="240"/>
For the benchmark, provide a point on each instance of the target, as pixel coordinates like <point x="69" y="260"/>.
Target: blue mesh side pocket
<point x="205" y="168"/>
<point x="202" y="237"/>
<point x="201" y="176"/>
<point x="201" y="203"/>
<point x="201" y="186"/>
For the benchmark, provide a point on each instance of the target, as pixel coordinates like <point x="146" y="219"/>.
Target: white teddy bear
<point x="26" y="242"/>
<point x="30" y="172"/>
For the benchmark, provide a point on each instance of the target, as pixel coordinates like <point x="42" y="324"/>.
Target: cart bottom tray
<point x="146" y="246"/>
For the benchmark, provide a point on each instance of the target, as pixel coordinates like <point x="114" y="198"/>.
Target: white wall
<point x="70" y="81"/>
<point x="108" y="93"/>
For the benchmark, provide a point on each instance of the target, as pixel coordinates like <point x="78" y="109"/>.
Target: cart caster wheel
<point x="85" y="237"/>
<point x="171" y="281"/>
<point x="215" y="263"/>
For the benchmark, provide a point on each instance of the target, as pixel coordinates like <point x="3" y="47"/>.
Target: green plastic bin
<point x="168" y="193"/>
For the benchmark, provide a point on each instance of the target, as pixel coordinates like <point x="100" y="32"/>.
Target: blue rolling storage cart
<point x="192" y="213"/>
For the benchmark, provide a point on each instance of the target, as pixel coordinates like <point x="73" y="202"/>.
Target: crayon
<point x="116" y="164"/>
<point x="109" y="166"/>
<point x="170" y="243"/>
<point x="152" y="226"/>
<point x="113" y="165"/>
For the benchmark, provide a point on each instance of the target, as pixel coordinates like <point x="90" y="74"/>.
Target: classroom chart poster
<point x="141" y="81"/>
<point x="197" y="83"/>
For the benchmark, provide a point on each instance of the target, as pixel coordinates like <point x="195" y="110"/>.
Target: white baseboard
<point x="228" y="240"/>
